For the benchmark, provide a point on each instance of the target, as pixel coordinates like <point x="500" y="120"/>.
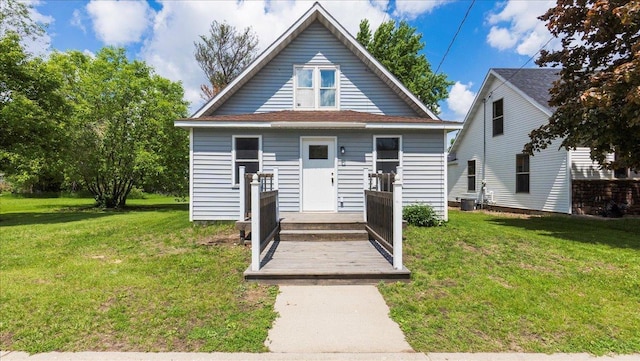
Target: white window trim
<point x="528" y="173"/>
<point x="233" y="155"/>
<point x="475" y="175"/>
<point x="494" y="118"/>
<point x="375" y="151"/>
<point x="316" y="86"/>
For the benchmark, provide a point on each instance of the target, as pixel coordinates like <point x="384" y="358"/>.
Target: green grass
<point x="76" y="278"/>
<point x="491" y="282"/>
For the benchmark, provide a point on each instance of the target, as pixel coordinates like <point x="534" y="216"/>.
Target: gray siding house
<point x="316" y="106"/>
<point x="486" y="161"/>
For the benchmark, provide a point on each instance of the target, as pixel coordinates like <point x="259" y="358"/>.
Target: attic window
<point x="316" y="87"/>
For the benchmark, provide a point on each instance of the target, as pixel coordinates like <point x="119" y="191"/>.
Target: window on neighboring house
<point x="387" y="156"/>
<point x="620" y="173"/>
<point x="471" y="176"/>
<point x="498" y="117"/>
<point x="246" y="152"/>
<point x="316" y="87"/>
<point x="522" y="173"/>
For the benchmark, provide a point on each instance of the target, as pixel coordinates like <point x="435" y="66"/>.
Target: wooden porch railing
<point x="268" y="211"/>
<point x="268" y="182"/>
<point x="380" y="217"/>
<point x="265" y="220"/>
<point x="383" y="216"/>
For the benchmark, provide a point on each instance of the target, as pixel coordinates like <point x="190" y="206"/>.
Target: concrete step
<point x="352" y="226"/>
<point x="318" y="235"/>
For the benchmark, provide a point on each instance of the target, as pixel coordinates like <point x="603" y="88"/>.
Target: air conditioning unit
<point x="467" y="204"/>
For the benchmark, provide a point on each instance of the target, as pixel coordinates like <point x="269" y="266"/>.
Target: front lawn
<point x="494" y="282"/>
<point x="75" y="278"/>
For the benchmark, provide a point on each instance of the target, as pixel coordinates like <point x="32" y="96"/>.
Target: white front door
<point x="319" y="181"/>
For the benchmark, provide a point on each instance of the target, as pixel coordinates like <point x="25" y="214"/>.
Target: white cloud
<point x="76" y="20"/>
<point x="516" y="25"/>
<point x="169" y="48"/>
<point x="501" y="38"/>
<point x="411" y="9"/>
<point x="120" y="22"/>
<point x="460" y="99"/>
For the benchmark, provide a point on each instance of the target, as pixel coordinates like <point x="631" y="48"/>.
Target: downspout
<point x="483" y="187"/>
<point x="484" y="150"/>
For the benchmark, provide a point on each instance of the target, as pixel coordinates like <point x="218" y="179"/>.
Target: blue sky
<point x="162" y="32"/>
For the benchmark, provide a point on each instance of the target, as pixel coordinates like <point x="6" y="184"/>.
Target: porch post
<point x="365" y="186"/>
<point x="241" y="172"/>
<point x="276" y="179"/>
<point x="255" y="224"/>
<point x="276" y="187"/>
<point x="397" y="223"/>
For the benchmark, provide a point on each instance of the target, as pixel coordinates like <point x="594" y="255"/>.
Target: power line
<point x="523" y="65"/>
<point x="455" y="36"/>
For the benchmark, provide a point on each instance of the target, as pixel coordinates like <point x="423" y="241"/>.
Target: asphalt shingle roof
<point x="319" y="116"/>
<point x="534" y="82"/>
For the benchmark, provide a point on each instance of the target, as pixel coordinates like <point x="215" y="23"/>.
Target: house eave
<point x="190" y="124"/>
<point x="316" y="13"/>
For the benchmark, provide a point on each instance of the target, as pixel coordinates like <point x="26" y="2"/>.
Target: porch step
<point x="287" y="225"/>
<point x="323" y="235"/>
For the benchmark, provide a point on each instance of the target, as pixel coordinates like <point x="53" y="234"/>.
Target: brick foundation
<point x="593" y="196"/>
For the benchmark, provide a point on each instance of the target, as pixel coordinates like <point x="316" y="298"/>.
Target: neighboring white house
<point x="316" y="106"/>
<point x="488" y="150"/>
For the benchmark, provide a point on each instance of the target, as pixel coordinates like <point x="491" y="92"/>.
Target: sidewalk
<point x="172" y="356"/>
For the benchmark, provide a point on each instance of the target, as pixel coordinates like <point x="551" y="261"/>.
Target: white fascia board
<point x="204" y="124"/>
<point x="417" y="126"/>
<point x="522" y="94"/>
<point x="348" y="37"/>
<point x="259" y="62"/>
<point x="187" y="124"/>
<point x="472" y="110"/>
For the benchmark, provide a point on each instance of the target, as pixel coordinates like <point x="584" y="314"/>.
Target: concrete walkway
<point x="350" y="319"/>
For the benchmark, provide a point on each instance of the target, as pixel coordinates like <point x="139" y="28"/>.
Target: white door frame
<point x="334" y="139"/>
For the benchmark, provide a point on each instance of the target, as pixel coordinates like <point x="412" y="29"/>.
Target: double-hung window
<point x="522" y="173"/>
<point x="498" y="117"/>
<point x="316" y="87"/>
<point x="471" y="176"/>
<point x="387" y="154"/>
<point x="246" y="152"/>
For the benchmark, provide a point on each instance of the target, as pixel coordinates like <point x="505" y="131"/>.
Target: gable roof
<point x="315" y="13"/>
<point x="533" y="84"/>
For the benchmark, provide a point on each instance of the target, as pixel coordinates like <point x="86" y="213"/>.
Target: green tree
<point x="398" y="48"/>
<point x="14" y="17"/>
<point x="224" y="54"/>
<point x="32" y="116"/>
<point x="597" y="98"/>
<point x="122" y="119"/>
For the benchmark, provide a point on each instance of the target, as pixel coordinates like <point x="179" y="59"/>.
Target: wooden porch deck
<point x="333" y="261"/>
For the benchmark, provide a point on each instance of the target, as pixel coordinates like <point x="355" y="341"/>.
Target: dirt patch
<point x="475" y="249"/>
<point x="223" y="238"/>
